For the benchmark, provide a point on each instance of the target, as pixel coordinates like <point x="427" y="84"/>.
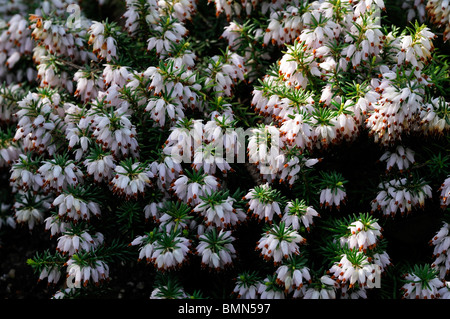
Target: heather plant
<point x="287" y="149"/>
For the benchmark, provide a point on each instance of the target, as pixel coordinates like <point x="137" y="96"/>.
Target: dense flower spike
<point x="247" y="285"/>
<point x="280" y="242"/>
<point x="190" y="186"/>
<point x="445" y="193"/>
<point x="81" y="274"/>
<point x="269" y="289"/>
<point x="401" y="195"/>
<point x="131" y="179"/>
<point x="365" y="234"/>
<point x="438" y="13"/>
<point x="293" y="274"/>
<point x="354" y="268"/>
<point x="74" y="204"/>
<point x="170" y="251"/>
<point x="421" y="283"/>
<point x="298" y="214"/>
<point x="217" y="210"/>
<point x="324" y="288"/>
<point x="441" y="243"/>
<point x="264" y="202"/>
<point x="29" y="208"/>
<point x="216" y="249"/>
<point x="402" y="158"/>
<point x="60" y="173"/>
<point x="333" y="190"/>
<point x="101" y="37"/>
<point x="73" y="243"/>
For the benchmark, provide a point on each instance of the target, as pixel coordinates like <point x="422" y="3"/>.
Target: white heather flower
<point x="396" y="110"/>
<point x="402" y="158"/>
<point x="297" y="213"/>
<point x="263" y="202"/>
<point x="74" y="208"/>
<point x="152" y="210"/>
<point x="209" y="157"/>
<point x="324" y="289"/>
<point x="285" y="24"/>
<point x="434" y="117"/>
<point x="232" y="33"/>
<point x="167" y="33"/>
<point x="224" y="73"/>
<point x="6" y="220"/>
<point x="297" y="65"/>
<point x="216" y="249"/>
<point x="185" y="136"/>
<point x="190" y="186"/>
<point x="292" y="274"/>
<point x="263" y="148"/>
<point x="269" y="289"/>
<point x="159" y="109"/>
<point x="7" y="107"/>
<point x="169" y="288"/>
<point x="416" y="50"/>
<point x="333" y="192"/>
<point x="55" y="225"/>
<point x="220" y="131"/>
<point x="63" y="293"/>
<point x="72" y="243"/>
<point x="36" y="122"/>
<point x="217" y="210"/>
<point x="247" y="285"/>
<point x="97" y="272"/>
<point x="103" y="44"/>
<point x="8" y="153"/>
<point x="353" y="293"/>
<point x="445" y="193"/>
<point x="52" y="273"/>
<point x="365" y="234"/>
<point x="174" y="215"/>
<point x="170" y="250"/>
<point x="131" y="179"/>
<point x="366" y="5"/>
<point x="415" y="9"/>
<point x="88" y="85"/>
<point x="444" y="292"/>
<point x="322" y="32"/>
<point x="421" y="283"/>
<point x="297" y="131"/>
<point x="100" y="167"/>
<point x="147" y="245"/>
<point x="365" y="40"/>
<point x="115" y="132"/>
<point x="397" y="195"/>
<point x="30" y="209"/>
<point x="60" y="173"/>
<point x="280" y="242"/>
<point x="289" y="164"/>
<point x="115" y="75"/>
<point x="24" y="174"/>
<point x="441" y="243"/>
<point x="353" y="268"/>
<point x="172" y="91"/>
<point x="166" y="170"/>
<point x="382" y="260"/>
<point x="437" y="11"/>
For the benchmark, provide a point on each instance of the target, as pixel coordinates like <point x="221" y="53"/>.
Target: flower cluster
<point x="235" y="145"/>
<point x="422" y="283"/>
<point x="401" y="195"/>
